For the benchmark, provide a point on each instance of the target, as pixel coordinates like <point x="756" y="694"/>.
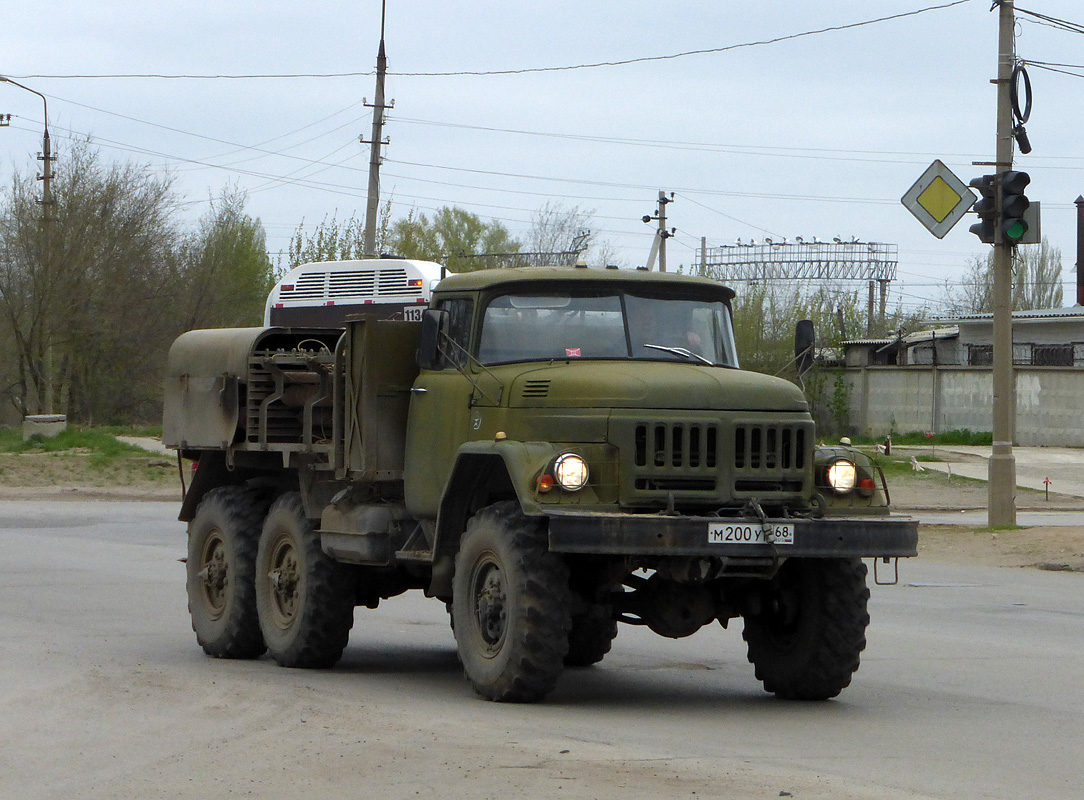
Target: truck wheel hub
<point x="214" y="576"/>
<point x="285" y="578"/>
<point x="490" y="604"/>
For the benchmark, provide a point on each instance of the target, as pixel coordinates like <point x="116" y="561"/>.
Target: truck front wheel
<point x="807" y="627"/>
<point x="591" y="637"/>
<point x="510" y="607"/>
<point x="222" y="539"/>
<point x="304" y="598"/>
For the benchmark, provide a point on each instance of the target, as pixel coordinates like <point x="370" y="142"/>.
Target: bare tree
<point x="1037" y="277"/>
<point x="83" y="294"/>
<point x="91" y="299"/>
<point x="554" y="227"/>
<point x="1036" y="282"/>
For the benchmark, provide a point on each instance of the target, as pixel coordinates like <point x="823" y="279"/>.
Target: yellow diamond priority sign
<point x="938" y="199"/>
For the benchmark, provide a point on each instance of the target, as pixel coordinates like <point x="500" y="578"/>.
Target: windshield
<point x="598" y="325"/>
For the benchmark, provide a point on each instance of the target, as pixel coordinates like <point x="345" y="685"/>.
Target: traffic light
<point x="1013" y="206"/>
<point x="986" y="208"/>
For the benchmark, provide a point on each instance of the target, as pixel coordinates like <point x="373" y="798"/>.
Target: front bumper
<point x="657" y="535"/>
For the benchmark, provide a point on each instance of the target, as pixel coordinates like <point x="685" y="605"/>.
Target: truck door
<point x="439" y="418"/>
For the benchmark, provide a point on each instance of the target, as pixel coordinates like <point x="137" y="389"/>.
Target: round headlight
<point x="842" y="476"/>
<point x="571" y="472"/>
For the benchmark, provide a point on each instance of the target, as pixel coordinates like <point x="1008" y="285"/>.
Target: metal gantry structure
<point x="801" y="260"/>
<point x="837" y="260"/>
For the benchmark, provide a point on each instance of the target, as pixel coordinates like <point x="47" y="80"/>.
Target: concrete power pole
<point x="658" y="244"/>
<point x="47" y="202"/>
<point x="663" y="235"/>
<point x="1079" y="202"/>
<point x="1002" y="470"/>
<point x="372" y="207"/>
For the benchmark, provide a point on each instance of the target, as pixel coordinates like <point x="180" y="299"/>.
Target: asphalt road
<point x="972" y="687"/>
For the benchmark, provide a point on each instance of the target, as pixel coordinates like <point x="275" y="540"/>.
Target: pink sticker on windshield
<point x="572" y="352"/>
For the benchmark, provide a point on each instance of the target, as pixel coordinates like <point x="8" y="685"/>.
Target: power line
<point x="643" y="187"/>
<point x="813" y="153"/>
<point x="1072" y="27"/>
<point x="733" y="219"/>
<point x="1050" y="68"/>
<point x="520" y="71"/>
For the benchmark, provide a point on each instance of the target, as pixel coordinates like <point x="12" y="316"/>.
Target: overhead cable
<point x="523" y="70"/>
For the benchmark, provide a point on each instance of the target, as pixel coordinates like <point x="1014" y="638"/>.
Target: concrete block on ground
<point x="44" y="424"/>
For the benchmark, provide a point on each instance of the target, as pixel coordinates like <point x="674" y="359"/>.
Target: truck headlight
<point x="571" y="472"/>
<point x="842" y="476"/>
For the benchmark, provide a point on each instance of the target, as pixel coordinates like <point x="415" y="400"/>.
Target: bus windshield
<point x="607" y="325"/>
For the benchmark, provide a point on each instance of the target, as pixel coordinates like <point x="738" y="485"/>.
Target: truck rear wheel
<point x="809" y="627"/>
<point x="511" y="606"/>
<point x="591" y="637"/>
<point x="303" y="596"/>
<point x="222" y="539"/>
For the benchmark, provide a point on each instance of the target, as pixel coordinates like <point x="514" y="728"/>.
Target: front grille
<point x="771" y="459"/>
<point x="676" y="457"/>
<point x="717" y="460"/>
<point x="676" y="445"/>
<point x="769" y="447"/>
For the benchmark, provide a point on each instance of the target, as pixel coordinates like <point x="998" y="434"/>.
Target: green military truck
<point x="550" y="452"/>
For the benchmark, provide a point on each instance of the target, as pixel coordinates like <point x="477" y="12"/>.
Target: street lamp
<point x="46" y="151"/>
<point x="46" y="213"/>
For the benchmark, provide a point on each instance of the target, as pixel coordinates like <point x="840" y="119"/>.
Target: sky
<point x="811" y="135"/>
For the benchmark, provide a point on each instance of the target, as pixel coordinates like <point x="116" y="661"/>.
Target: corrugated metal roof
<point x="909" y="339"/>
<point x="1068" y="312"/>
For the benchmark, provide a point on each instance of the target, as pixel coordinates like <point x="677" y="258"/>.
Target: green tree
<point x="450" y="237"/>
<point x="332" y="240"/>
<point x="225" y="274"/>
<point x="766" y="313"/>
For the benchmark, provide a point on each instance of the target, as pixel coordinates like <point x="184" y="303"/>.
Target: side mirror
<point x="804" y="340"/>
<point x="434" y="322"/>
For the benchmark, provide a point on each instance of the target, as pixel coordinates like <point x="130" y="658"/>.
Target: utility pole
<point x="869" y="310"/>
<point x="663" y="235"/>
<point x="1002" y="470"/>
<point x="658" y="244"/>
<point x="1079" y="202"/>
<point x="47" y="158"/>
<point x="46" y="153"/>
<point x="372" y="207"/>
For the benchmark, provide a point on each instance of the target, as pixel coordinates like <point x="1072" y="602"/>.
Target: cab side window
<point x="460" y="313"/>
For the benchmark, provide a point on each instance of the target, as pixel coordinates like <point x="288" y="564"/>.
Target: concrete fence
<point x="1049" y="401"/>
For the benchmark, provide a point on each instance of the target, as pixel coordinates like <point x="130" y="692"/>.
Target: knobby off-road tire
<point x="806" y="641"/>
<point x="303" y="596"/>
<point x="511" y="602"/>
<point x="222" y="541"/>
<point x="591" y="637"/>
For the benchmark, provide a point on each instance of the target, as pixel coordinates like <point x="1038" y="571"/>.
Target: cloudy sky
<point x="811" y="135"/>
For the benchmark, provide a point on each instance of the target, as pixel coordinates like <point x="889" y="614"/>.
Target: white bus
<point x="322" y="294"/>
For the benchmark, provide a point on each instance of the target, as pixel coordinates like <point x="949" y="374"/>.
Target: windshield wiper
<point x="681" y="351"/>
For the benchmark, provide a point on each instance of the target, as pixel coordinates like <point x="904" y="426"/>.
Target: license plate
<point x="749" y="533"/>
